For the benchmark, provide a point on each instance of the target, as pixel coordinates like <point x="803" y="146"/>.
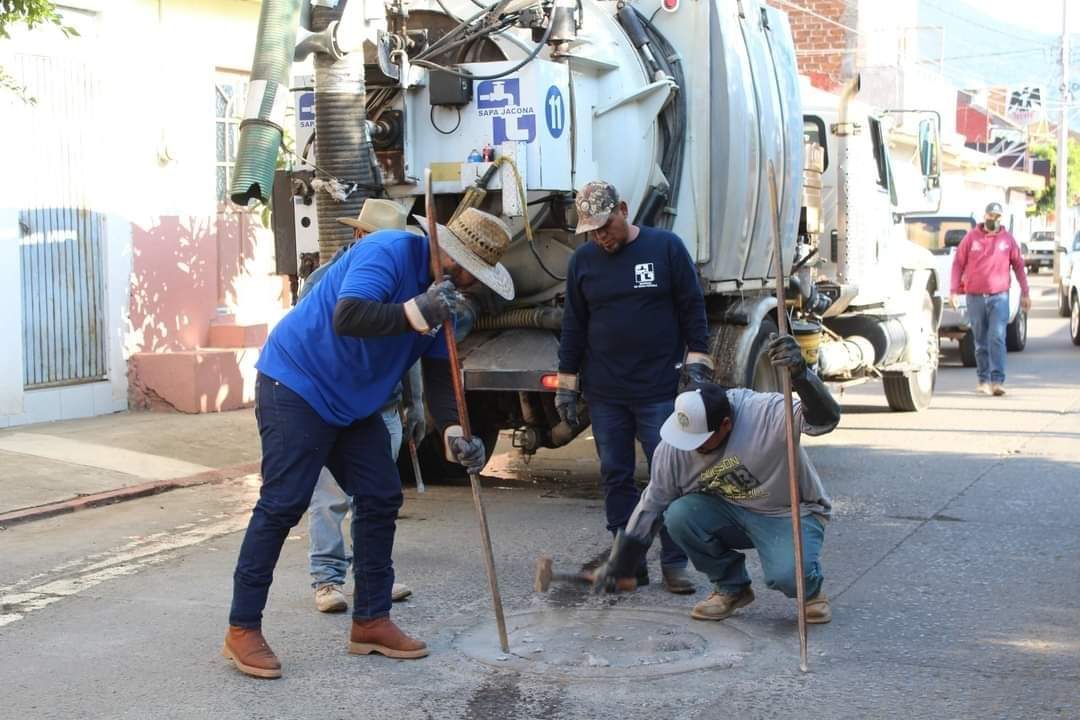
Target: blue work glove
<point x="431" y="308"/>
<point x="470" y="453"/>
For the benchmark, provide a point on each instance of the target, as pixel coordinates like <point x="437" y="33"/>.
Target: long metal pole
<point x="1062" y="200"/>
<point x="792" y="455"/>
<point x="463" y="417"/>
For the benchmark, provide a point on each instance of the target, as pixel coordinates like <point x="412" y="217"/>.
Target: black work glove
<point x="784" y="352"/>
<point x="566" y="399"/>
<point x="469" y="453"/>
<point x="431" y="308"/>
<point x="620" y="570"/>
<point x="693" y="375"/>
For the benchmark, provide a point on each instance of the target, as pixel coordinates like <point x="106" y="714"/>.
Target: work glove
<point x="620" y="570"/>
<point x="470" y="453"/>
<point x="566" y="399"/>
<point x="415" y="420"/>
<point x="697" y="370"/>
<point x="431" y="308"/>
<point x="784" y="352"/>
<point x="464" y="314"/>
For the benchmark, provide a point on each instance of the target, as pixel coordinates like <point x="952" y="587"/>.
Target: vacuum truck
<point x="686" y="107"/>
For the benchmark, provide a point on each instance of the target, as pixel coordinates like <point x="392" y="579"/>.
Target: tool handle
<point x="463" y="418"/>
<point x="792" y="456"/>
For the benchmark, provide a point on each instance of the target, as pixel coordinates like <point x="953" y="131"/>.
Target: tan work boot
<point x="983" y="389"/>
<point x="248" y="650"/>
<point x="998" y="389"/>
<point x="818" y="611"/>
<point x="400" y="591"/>
<point x="382" y="636"/>
<point x="719" y="606"/>
<point x="329" y="598"/>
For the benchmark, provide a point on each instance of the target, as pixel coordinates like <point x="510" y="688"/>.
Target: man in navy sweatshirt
<point x="634" y="313"/>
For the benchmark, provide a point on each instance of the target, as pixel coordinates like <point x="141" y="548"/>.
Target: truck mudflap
<point x="511" y="360"/>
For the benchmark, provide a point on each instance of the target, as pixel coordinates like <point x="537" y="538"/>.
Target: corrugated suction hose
<point x="268" y="94"/>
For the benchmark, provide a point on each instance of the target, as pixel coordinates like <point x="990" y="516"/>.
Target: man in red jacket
<point x="981" y="271"/>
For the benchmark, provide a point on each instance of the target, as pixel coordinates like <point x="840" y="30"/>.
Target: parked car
<point x="1068" y="254"/>
<point x="942" y="234"/>
<point x="1040" y="251"/>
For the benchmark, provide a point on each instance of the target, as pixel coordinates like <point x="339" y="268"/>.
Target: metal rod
<point x="792" y="456"/>
<point x="412" y="453"/>
<point x="463" y="417"/>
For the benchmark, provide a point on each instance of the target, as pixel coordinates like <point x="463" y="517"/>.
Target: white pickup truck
<point x="941" y="234"/>
<point x="1040" y="251"/>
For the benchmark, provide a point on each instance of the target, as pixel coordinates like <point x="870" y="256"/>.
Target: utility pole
<point x="1062" y="200"/>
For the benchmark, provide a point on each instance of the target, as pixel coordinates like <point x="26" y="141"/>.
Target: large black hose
<point x="343" y="147"/>
<point x="268" y="91"/>
<point x="545" y="318"/>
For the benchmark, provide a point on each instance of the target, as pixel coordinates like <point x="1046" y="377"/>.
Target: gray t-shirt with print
<point x="749" y="469"/>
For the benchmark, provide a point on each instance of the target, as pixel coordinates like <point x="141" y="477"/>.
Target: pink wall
<point x="184" y="268"/>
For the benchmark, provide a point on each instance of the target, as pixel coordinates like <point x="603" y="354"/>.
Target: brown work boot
<point x="382" y="636"/>
<point x="719" y="606"/>
<point x="248" y="650"/>
<point x="818" y="611"/>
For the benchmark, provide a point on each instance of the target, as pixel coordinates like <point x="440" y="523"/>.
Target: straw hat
<point x="476" y="240"/>
<point x="377" y="214"/>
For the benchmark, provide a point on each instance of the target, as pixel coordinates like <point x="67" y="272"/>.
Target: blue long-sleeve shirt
<point x="630" y="317"/>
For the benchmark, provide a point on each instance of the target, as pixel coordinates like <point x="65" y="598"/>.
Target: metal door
<point x="61" y="241"/>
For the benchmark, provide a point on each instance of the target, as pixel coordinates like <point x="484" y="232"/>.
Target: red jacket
<point x="981" y="263"/>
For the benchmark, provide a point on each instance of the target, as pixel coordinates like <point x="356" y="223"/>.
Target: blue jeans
<point x="711" y="529"/>
<point x="328" y="555"/>
<point x="296" y="444"/>
<point x="989" y="316"/>
<point x="615" y="425"/>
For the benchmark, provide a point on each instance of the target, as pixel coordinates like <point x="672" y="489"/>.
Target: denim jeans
<point x="329" y="558"/>
<point x="989" y="316"/>
<point x="296" y="444"/>
<point x="711" y="529"/>
<point x="615" y="425"/>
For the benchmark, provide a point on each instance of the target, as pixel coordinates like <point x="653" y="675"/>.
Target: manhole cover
<point x="606" y="642"/>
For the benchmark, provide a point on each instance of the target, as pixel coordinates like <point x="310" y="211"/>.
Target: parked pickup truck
<point x="941" y="235"/>
<point x="1040" y="251"/>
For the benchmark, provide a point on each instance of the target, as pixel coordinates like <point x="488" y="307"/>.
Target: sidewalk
<point x="60" y="467"/>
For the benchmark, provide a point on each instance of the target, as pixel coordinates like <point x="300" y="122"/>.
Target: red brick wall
<point x="820" y="44"/>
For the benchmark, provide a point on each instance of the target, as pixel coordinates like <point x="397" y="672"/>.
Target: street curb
<point x="131" y="492"/>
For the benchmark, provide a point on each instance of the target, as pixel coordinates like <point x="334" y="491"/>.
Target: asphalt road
<point x="952" y="564"/>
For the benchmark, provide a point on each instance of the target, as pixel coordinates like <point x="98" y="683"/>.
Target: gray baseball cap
<point x="994" y="209"/>
<point x="595" y="202"/>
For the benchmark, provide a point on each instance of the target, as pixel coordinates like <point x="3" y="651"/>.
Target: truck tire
<point x="913" y="391"/>
<point x="1016" y="333"/>
<point x="760" y="374"/>
<point x="1034" y="270"/>
<point x="1063" y="300"/>
<point x="1074" y="318"/>
<point x="967" y="349"/>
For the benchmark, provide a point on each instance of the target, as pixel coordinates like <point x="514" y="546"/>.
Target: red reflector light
<point x="549" y="382"/>
<point x="671" y="5"/>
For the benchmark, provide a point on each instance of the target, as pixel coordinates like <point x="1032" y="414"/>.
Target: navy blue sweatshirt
<point x="630" y="317"/>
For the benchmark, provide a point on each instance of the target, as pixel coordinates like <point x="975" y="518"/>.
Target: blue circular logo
<point x="555" y="112"/>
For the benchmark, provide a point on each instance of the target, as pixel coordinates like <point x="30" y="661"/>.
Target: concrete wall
<point x="173" y="261"/>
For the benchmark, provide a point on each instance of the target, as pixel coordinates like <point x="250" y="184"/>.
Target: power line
<point x="975" y="23"/>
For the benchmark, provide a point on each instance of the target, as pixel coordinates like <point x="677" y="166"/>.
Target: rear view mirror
<point x="930" y="152"/>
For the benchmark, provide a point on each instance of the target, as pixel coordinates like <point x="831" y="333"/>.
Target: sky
<point x="1002" y="42"/>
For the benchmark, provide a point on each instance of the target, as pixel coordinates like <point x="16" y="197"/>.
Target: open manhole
<point x="607" y="642"/>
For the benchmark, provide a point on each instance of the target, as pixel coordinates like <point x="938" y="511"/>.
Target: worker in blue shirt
<point x="325" y="371"/>
<point x="634" y="315"/>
